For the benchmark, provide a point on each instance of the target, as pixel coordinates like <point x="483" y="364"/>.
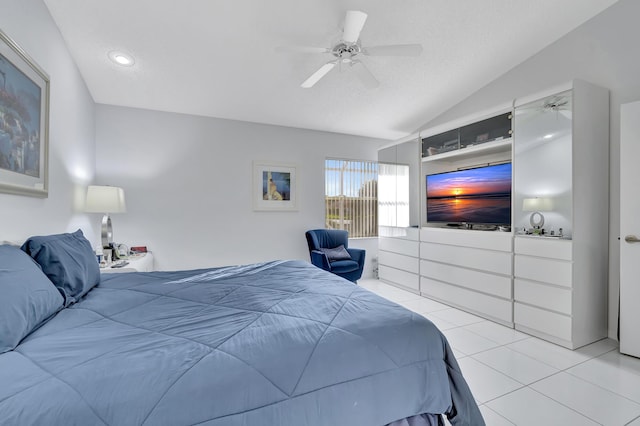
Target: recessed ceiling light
<point x="121" y="58"/>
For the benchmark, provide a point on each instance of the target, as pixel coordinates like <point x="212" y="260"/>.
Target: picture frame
<point x="274" y="186"/>
<point x="24" y="122"/>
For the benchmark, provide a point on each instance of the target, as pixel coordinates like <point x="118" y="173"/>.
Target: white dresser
<point x="550" y="287"/>
<point x="468" y="269"/>
<point x="398" y="257"/>
<point x="555" y="299"/>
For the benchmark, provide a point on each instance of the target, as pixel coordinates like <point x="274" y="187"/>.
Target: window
<point x="351" y="197"/>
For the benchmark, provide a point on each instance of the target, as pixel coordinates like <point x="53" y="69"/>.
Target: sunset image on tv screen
<point x="478" y="195"/>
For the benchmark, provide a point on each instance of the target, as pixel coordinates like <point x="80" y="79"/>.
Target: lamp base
<point x="536" y="220"/>
<point x="107" y="231"/>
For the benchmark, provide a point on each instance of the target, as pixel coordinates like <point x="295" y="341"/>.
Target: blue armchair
<point x="319" y="239"/>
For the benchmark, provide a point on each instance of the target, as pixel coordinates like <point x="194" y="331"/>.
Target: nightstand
<point x="137" y="263"/>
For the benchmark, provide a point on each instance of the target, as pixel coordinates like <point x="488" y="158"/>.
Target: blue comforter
<point x="280" y="343"/>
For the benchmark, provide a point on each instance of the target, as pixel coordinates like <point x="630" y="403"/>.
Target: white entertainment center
<point x="545" y="281"/>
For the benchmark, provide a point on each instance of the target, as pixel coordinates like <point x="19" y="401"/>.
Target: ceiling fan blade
<point x="394" y="50"/>
<point x="316" y="76"/>
<point x="365" y="76"/>
<point x="302" y="49"/>
<point x="353" y="24"/>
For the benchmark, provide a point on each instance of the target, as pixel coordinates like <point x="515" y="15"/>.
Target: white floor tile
<point x="424" y="305"/>
<point x="485" y="382"/>
<point x="526" y="407"/>
<point x="496" y="332"/>
<point x="456" y="316"/>
<point x="518" y="366"/>
<point x="598" y="348"/>
<point x="549" y="353"/>
<point x="491" y="418"/>
<point x="521" y="380"/>
<point x="439" y="322"/>
<point x="615" y="372"/>
<point x="468" y="342"/>
<point x="590" y="400"/>
<point x="624" y="362"/>
<point x="459" y="355"/>
<point x="393" y="293"/>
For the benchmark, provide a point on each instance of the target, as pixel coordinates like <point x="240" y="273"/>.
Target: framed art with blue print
<point x="24" y="122"/>
<point x="274" y="187"/>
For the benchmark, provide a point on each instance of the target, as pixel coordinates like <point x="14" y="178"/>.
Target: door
<point x="630" y="229"/>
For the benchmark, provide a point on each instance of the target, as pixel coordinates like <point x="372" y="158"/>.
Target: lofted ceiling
<point x="219" y="58"/>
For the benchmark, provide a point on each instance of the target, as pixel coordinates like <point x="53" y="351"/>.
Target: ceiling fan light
<point x="121" y="58"/>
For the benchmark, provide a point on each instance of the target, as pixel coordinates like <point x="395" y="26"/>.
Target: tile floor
<point x="521" y="380"/>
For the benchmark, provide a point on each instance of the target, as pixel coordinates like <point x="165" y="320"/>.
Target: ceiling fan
<point x="347" y="50"/>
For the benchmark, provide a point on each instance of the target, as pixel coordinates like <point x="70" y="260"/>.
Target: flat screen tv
<point x="480" y="195"/>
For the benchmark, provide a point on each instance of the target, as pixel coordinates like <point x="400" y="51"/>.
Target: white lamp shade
<point x="537" y="205"/>
<point x="105" y="199"/>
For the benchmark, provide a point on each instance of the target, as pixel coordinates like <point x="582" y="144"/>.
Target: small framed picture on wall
<point x="274" y="186"/>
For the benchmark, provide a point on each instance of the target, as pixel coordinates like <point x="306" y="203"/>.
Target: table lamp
<point x="105" y="199"/>
<point x="537" y="205"/>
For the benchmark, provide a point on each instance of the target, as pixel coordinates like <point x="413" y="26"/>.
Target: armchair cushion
<point x="344" y="266"/>
<point x="337" y="253"/>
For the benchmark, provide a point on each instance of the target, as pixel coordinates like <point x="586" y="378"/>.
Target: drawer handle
<point x="632" y="239"/>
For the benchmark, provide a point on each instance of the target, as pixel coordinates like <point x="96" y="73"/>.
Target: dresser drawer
<point x="551" y="323"/>
<point x="545" y="296"/>
<point x="499" y="285"/>
<point x="551" y="271"/>
<point x="499" y="241"/>
<point x="497" y="262"/>
<point x="482" y="304"/>
<point x="398" y="245"/>
<point x="552" y="248"/>
<point x="401" y="278"/>
<point x="402" y="233"/>
<point x="399" y="261"/>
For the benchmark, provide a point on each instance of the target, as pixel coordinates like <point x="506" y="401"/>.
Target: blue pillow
<point x="337" y="253"/>
<point x="69" y="262"/>
<point x="27" y="297"/>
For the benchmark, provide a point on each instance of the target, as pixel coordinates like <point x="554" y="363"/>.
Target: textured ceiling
<point x="218" y="58"/>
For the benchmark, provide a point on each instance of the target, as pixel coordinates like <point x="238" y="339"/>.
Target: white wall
<point x="603" y="51"/>
<point x="71" y="141"/>
<point x="188" y="185"/>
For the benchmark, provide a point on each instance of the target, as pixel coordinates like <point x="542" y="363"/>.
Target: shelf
<point x="503" y="145"/>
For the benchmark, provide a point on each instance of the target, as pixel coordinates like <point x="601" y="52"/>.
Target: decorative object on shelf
<point x="537" y="205"/>
<point x="274" y="187"/>
<point x="482" y="138"/>
<point x="105" y="199"/>
<point x="24" y="122"/>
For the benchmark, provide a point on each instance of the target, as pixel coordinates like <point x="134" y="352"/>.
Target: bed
<point x="276" y="343"/>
